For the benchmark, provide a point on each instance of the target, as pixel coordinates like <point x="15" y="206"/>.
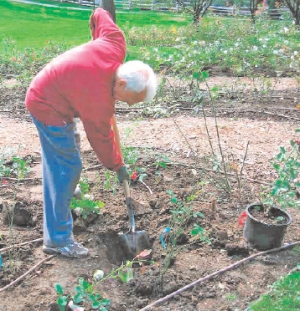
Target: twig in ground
<point x="2" y="250"/>
<point x="244" y="158"/>
<point x="151" y="192"/>
<point x="20" y="179"/>
<point x="26" y="273"/>
<point x="221" y="172"/>
<point x="210" y="276"/>
<point x="90" y="168"/>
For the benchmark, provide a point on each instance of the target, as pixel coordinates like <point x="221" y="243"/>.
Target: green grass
<point x="283" y="296"/>
<point x="34" y="25"/>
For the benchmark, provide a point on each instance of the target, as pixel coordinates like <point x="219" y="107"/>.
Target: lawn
<point x="34" y="25"/>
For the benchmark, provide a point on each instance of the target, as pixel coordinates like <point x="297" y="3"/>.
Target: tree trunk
<point x="109" y="6"/>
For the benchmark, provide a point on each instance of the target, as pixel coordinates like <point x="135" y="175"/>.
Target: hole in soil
<point x="122" y="247"/>
<point x="18" y="214"/>
<point x="115" y="253"/>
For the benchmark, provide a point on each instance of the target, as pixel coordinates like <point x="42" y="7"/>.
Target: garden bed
<point x="171" y="164"/>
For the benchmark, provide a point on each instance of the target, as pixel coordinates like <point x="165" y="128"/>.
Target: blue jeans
<point x="61" y="168"/>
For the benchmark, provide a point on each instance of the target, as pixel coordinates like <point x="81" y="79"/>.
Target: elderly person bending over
<point x="84" y="83"/>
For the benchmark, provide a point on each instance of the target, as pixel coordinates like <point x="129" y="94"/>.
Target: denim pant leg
<point x="61" y="168"/>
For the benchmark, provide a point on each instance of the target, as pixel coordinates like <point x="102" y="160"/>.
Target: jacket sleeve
<point x="101" y="138"/>
<point x="96" y="114"/>
<point x="102" y="25"/>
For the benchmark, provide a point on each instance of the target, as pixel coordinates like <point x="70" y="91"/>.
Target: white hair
<point x="138" y="76"/>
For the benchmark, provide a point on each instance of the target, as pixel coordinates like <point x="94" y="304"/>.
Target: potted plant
<point x="267" y="221"/>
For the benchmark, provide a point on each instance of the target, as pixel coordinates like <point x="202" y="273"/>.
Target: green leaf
<point x="199" y="214"/>
<point x="92" y="297"/>
<point x="95" y="304"/>
<point x="205" y="74"/>
<point x="97" y="296"/>
<point x="58" y="288"/>
<point x="170" y="192"/>
<point x="62" y="300"/>
<point x="196" y="75"/>
<point x="78" y="289"/>
<point x="274" y="191"/>
<point x="286" y="185"/>
<point x="85" y="285"/>
<point x="100" y="204"/>
<point x="282" y="150"/>
<point x="197" y="230"/>
<point x="125" y="275"/>
<point x="190" y="198"/>
<point x="105" y="302"/>
<point x="162" y="164"/>
<point x="280" y="156"/>
<point x="78" y="298"/>
<point x="174" y="200"/>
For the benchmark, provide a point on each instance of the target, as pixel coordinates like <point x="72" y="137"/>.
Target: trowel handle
<point x="118" y="144"/>
<point x="125" y="182"/>
<point x="117" y="136"/>
<point x="126" y="188"/>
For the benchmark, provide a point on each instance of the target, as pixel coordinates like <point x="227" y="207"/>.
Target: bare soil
<point x="253" y="122"/>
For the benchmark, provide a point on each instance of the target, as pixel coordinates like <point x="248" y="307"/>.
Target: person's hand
<point x="123" y="174"/>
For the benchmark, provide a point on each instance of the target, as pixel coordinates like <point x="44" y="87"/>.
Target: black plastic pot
<point x="261" y="235"/>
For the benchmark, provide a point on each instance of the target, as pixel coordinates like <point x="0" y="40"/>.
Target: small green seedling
<point x="86" y="205"/>
<point x="162" y="161"/>
<point x="62" y="299"/>
<point x="200" y="233"/>
<point x="16" y="167"/>
<point x="85" y="293"/>
<point x="285" y="189"/>
<point x="111" y="181"/>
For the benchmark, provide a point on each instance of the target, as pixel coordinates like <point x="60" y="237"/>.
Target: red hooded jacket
<point x="79" y="83"/>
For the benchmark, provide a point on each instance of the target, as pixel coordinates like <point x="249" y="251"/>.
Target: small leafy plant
<point x="285" y="189"/>
<point x="86" y="204"/>
<point x="85" y="293"/>
<point x="200" y="233"/>
<point x="15" y="167"/>
<point x="181" y="215"/>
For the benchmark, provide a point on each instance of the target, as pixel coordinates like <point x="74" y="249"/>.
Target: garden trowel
<point x="133" y="242"/>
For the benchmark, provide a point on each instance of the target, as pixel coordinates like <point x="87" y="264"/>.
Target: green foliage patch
<point x="283" y="296"/>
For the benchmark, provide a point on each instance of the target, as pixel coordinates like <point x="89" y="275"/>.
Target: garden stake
<point x="133" y="242"/>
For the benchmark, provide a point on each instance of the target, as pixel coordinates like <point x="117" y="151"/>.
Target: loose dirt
<point x="251" y="124"/>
